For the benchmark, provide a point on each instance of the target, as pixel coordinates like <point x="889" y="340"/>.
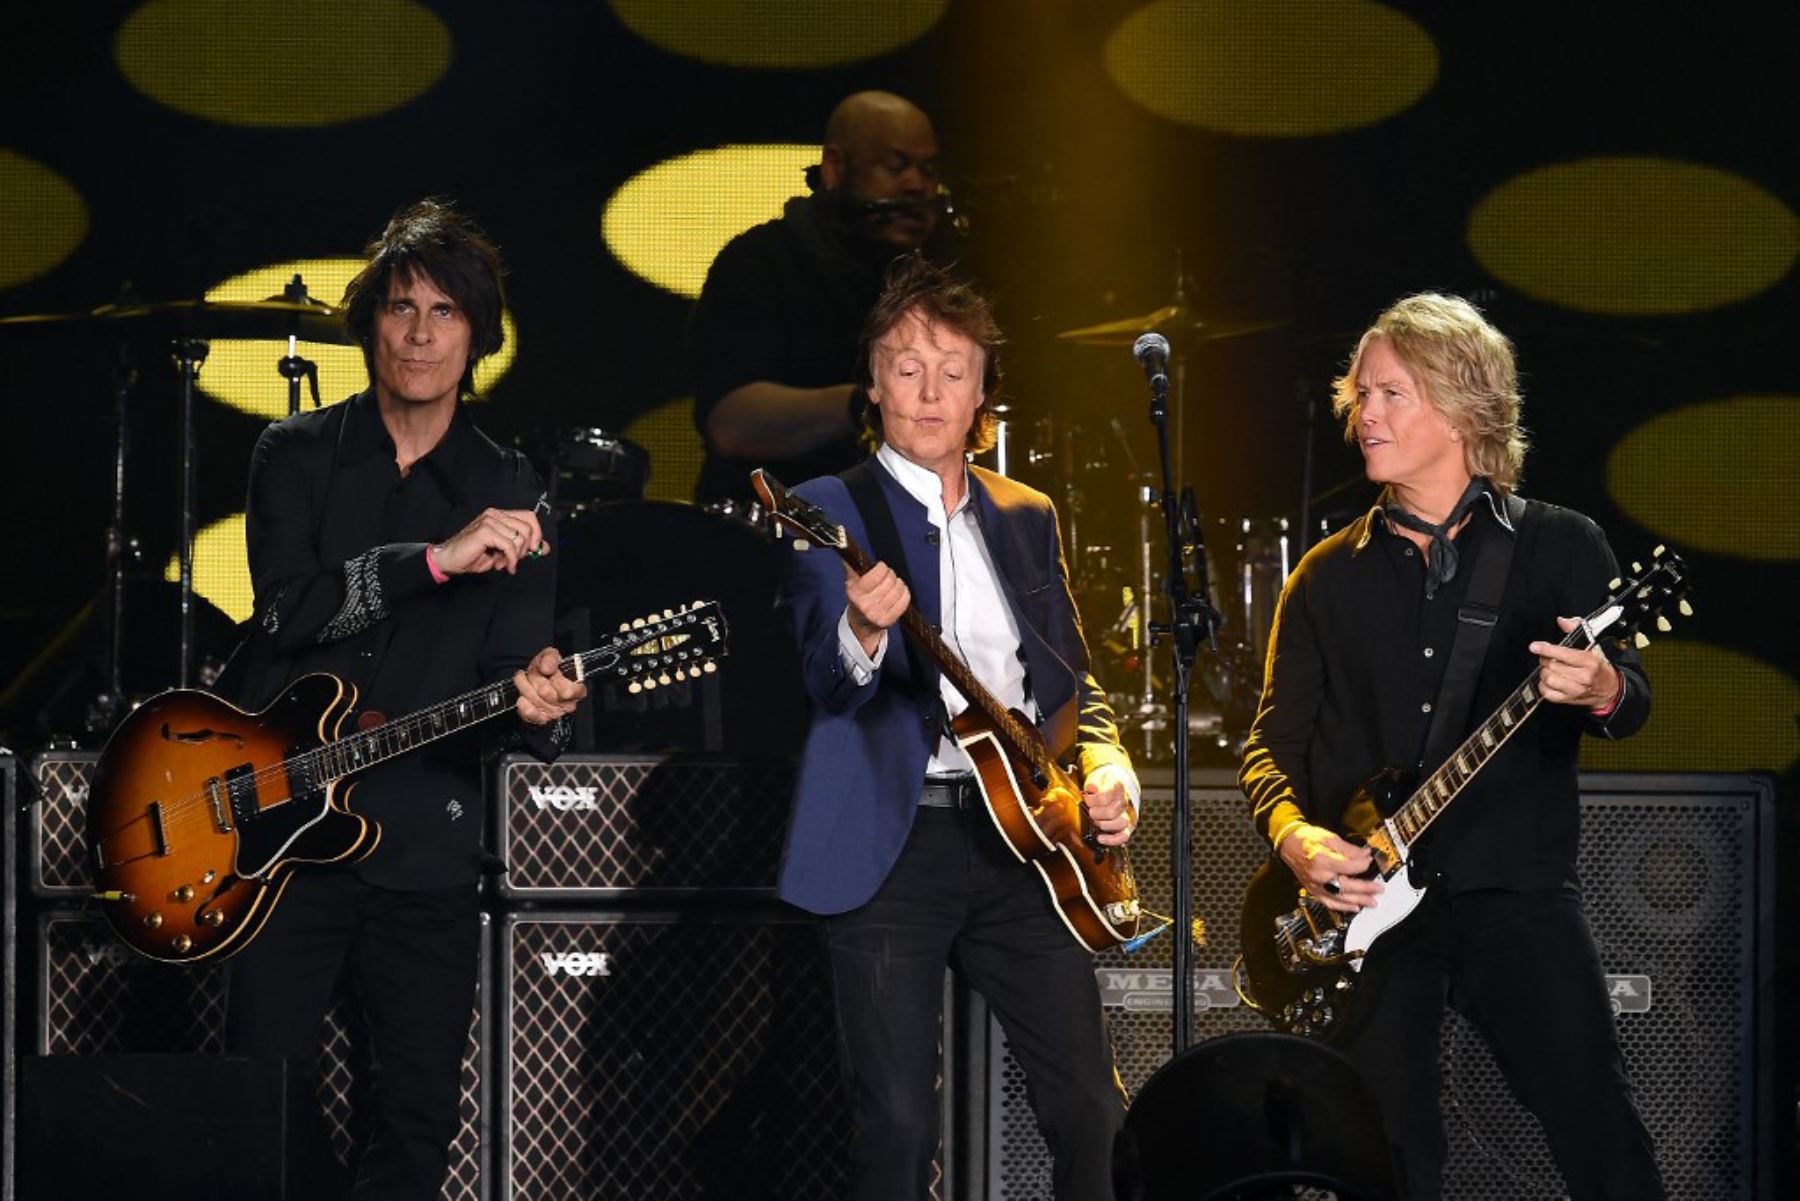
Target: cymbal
<point x="1177" y="322"/>
<point x="277" y="317"/>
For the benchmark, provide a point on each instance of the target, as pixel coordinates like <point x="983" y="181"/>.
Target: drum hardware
<point x="583" y="468"/>
<point x="189" y="326"/>
<point x="293" y="368"/>
<point x="1183" y="327"/>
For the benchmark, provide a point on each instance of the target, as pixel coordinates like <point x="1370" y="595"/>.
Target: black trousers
<point x="1524" y="968"/>
<point x="957" y="897"/>
<point x="412" y="959"/>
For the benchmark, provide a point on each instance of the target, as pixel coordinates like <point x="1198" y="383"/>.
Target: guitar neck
<point x="335" y="760"/>
<point x="1018" y="739"/>
<point x="1445" y="784"/>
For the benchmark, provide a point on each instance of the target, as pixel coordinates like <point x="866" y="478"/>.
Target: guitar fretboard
<point x="1443" y="785"/>
<point x="335" y="760"/>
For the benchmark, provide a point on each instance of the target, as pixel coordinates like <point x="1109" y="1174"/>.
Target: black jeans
<point x="412" y="959"/>
<point x="1523" y="967"/>
<point x="958" y="897"/>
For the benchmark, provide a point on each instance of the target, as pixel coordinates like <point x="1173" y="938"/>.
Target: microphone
<point x="1152" y="353"/>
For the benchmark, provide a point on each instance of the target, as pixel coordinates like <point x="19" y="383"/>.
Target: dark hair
<point x="431" y="239"/>
<point x="939" y="297"/>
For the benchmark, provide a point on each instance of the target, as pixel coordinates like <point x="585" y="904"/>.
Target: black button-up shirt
<point x="1355" y="663"/>
<point x="337" y="540"/>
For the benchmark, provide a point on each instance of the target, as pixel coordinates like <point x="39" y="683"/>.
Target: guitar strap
<point x="1475" y="623"/>
<point x="864" y="486"/>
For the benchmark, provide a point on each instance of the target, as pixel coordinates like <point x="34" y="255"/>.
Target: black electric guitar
<point x="1300" y="959"/>
<point x="199" y="812"/>
<point x="1034" y="802"/>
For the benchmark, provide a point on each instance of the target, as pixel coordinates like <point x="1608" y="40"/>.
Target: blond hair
<point x="1466" y="369"/>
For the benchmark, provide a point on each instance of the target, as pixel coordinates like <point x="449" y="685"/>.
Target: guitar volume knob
<point x="153" y="920"/>
<point x="213" y="918"/>
<point x="182" y="943"/>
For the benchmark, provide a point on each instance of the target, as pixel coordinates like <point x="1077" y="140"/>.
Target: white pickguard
<point x="1397" y="900"/>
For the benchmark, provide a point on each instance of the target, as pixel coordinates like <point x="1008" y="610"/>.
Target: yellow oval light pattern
<point x="242" y="372"/>
<point x="221" y="568"/>
<point x="778" y="34"/>
<point x="42" y="218"/>
<point x="1718" y="476"/>
<point x="1715" y="710"/>
<point x="1295" y="69"/>
<point x="282" y="65"/>
<point x="667" y="222"/>
<point x="676" y="452"/>
<point x="1634" y="236"/>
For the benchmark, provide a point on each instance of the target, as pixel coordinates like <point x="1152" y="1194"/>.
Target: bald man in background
<point x="772" y="341"/>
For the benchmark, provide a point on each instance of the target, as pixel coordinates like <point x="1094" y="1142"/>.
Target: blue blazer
<point x="867" y="747"/>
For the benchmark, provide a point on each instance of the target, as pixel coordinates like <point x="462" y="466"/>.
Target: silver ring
<point x="1333" y="887"/>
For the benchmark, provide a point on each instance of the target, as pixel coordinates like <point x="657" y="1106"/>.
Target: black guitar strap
<point x="864" y="486"/>
<point x="1475" y="623"/>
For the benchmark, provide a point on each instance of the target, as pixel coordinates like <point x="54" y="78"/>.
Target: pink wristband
<point x="437" y="573"/>
<point x="1614" y="703"/>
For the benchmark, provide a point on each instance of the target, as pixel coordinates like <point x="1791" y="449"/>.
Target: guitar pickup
<point x="240" y="794"/>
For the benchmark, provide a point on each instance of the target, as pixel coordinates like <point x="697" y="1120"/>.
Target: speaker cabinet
<point x="1678" y="875"/>
<point x="57" y="861"/>
<point x="673" y="1054"/>
<point x="94" y="997"/>
<point x="1677" y="872"/>
<point x="664" y="827"/>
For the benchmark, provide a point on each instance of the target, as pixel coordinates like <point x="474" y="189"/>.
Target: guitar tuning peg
<point x="634" y="688"/>
<point x="680" y="674"/>
<point x="1614" y="583"/>
<point x="1662" y="623"/>
<point x="1637" y="567"/>
<point x="1639" y="640"/>
<point x="709" y="667"/>
<point x="1658" y="552"/>
<point x="624" y="627"/>
<point x="1687" y="610"/>
<point x="668" y="613"/>
<point x="664" y="678"/>
<point x="637" y="623"/>
<point x="650" y="685"/>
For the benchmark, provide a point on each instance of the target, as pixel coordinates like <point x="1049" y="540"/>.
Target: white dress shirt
<point x="977" y="623"/>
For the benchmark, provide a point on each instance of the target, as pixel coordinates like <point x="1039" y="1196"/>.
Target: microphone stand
<point x="1192" y="620"/>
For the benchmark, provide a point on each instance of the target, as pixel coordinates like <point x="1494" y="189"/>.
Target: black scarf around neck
<point x="1440" y="559"/>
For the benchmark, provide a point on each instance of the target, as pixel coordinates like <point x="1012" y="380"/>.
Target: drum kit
<point x="1113" y="532"/>
<point x="186" y="328"/>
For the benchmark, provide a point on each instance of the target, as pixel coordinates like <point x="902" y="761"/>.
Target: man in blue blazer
<point x="889" y="840"/>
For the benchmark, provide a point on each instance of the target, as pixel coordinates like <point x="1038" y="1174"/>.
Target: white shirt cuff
<point x="862" y="666"/>
<point x="1108" y="774"/>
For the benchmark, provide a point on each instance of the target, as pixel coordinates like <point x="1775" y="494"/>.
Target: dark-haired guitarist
<point x="393" y="545"/>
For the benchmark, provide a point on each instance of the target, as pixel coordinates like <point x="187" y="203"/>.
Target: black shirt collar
<point x="365" y="436"/>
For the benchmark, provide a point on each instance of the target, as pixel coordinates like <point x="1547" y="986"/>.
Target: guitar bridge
<point x="215" y="797"/>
